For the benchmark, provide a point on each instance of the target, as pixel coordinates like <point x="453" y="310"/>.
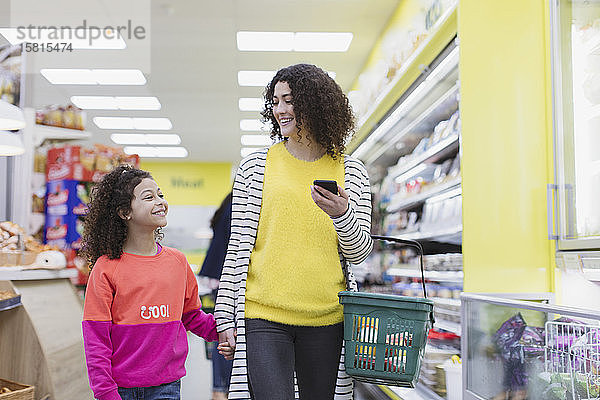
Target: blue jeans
<point x="221" y="371"/>
<point x="167" y="391"/>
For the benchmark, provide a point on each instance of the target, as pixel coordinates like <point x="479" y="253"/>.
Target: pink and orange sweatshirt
<point x="136" y="313"/>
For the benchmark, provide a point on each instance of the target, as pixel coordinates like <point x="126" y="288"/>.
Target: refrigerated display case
<point x="575" y="29"/>
<point x="516" y="349"/>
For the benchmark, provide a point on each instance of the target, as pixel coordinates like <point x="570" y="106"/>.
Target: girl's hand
<point x="332" y="204"/>
<point x="226" y="350"/>
<point x="226" y="345"/>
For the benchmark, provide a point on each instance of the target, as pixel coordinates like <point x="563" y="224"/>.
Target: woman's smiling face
<point x="283" y="109"/>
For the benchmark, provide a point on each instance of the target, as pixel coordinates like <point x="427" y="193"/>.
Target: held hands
<point x="226" y="345"/>
<point x="332" y="204"/>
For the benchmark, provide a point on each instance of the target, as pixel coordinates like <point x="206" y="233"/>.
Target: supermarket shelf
<point x="438" y="276"/>
<point x="18" y="274"/>
<point x="448" y="326"/>
<point x="452" y="235"/>
<point x="448" y="302"/>
<point x="43" y="132"/>
<point x="406" y="202"/>
<point x="428" y="393"/>
<point x="421" y="392"/>
<point x="439" y="36"/>
<point x="441" y="109"/>
<point x="593" y="44"/>
<point x="592" y="274"/>
<point x="436" y="152"/>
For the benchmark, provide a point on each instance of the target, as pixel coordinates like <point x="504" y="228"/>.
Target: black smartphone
<point x="329" y="185"/>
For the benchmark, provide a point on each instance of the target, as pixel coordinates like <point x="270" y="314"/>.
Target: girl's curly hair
<point x="319" y="103"/>
<point x="104" y="231"/>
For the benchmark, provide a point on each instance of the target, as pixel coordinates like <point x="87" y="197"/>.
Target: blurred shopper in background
<point x="291" y="242"/>
<point x="212" y="267"/>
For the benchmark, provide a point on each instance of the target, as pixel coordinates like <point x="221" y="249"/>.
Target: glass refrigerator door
<point x="576" y="87"/>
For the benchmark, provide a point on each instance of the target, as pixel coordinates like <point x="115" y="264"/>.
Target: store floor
<point x="197" y="384"/>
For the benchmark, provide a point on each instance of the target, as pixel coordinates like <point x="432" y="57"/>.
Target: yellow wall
<point x="191" y="183"/>
<point x="506" y="153"/>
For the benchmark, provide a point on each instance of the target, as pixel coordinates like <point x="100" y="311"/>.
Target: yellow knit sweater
<point x="295" y="274"/>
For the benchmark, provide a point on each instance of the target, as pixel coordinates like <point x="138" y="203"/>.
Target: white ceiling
<point x="192" y="60"/>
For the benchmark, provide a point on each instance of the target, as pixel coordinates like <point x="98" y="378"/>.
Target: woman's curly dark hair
<point x="104" y="231"/>
<point x="319" y="103"/>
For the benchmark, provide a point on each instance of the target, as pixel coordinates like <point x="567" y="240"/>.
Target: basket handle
<point x="411" y="243"/>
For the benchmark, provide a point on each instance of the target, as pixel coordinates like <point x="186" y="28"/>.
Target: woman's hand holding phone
<point x="334" y="205"/>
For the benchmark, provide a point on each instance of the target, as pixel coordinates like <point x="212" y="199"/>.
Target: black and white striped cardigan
<point x="355" y="244"/>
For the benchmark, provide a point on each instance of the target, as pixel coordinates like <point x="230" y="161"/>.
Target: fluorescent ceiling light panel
<point x="95" y="102"/>
<point x="119" y="77"/>
<point x="322" y="41"/>
<point x="116" y="103"/>
<point x="265" y="41"/>
<point x="252" y="125"/>
<point x="141" y="151"/>
<point x="167" y="138"/>
<point x="66" y="76"/>
<point x="245" y="151"/>
<point x="114" y="122"/>
<point x="138" y="103"/>
<point x="63" y="36"/>
<point x="294" y="41"/>
<point x="250" y="104"/>
<point x="128" y="138"/>
<point x="162" y="152"/>
<point x="142" y="138"/>
<point x="69" y="76"/>
<point x="151" y="124"/>
<point x="256" y="140"/>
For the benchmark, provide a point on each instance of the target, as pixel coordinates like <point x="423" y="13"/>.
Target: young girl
<point x="141" y="297"/>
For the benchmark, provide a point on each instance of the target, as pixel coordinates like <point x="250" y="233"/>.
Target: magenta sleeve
<point x="200" y="323"/>
<point x="98" y="351"/>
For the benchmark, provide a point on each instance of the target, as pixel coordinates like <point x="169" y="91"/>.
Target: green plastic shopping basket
<point x="384" y="334"/>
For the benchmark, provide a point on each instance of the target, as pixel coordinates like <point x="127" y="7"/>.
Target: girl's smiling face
<point x="148" y="207"/>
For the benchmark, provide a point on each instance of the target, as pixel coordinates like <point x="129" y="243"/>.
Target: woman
<point x="291" y="243"/>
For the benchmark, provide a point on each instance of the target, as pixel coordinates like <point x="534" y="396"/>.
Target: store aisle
<point x="197" y="383"/>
